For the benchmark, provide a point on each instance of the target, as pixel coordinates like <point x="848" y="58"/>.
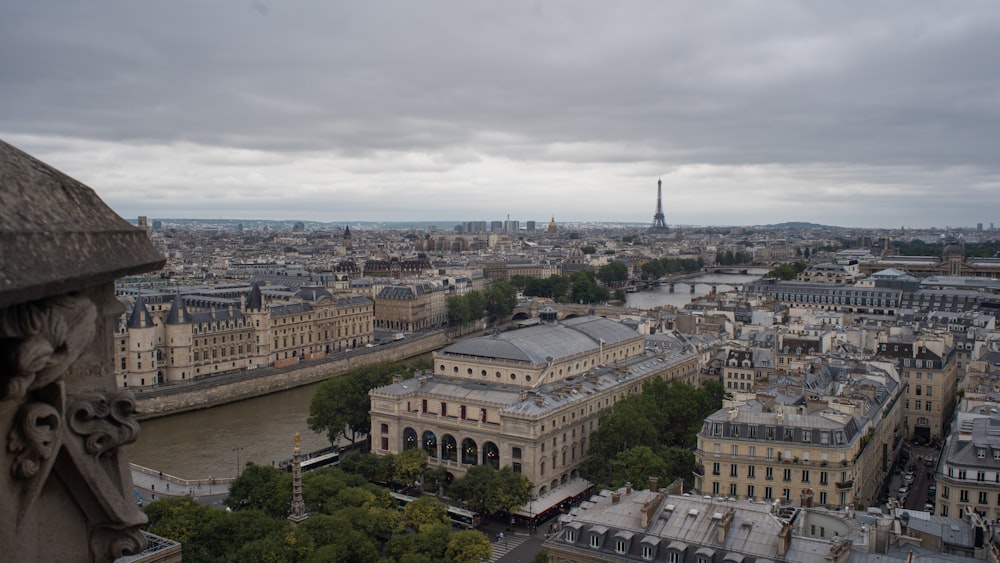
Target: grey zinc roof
<point x="537" y="343"/>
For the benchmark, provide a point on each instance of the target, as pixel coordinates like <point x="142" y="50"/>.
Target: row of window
<point x="787" y="473"/>
<point x="786" y="433"/>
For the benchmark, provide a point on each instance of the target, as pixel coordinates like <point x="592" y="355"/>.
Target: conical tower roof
<point x="140" y="316"/>
<point x="254" y="300"/>
<point x="178" y="312"/>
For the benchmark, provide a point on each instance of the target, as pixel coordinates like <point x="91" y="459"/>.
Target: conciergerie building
<point x="528" y="398"/>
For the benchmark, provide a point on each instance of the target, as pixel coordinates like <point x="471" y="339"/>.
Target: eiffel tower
<point x="659" y="225"/>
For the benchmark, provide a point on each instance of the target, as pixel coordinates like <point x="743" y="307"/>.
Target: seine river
<point x="204" y="443"/>
<point x="682" y="290"/>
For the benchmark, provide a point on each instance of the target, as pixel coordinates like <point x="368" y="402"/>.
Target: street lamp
<point x="237" y="450"/>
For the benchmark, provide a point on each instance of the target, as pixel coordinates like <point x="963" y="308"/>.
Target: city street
<point x="922" y="478"/>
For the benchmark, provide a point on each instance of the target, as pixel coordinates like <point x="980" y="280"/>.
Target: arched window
<point x="430" y="443"/>
<point x="491" y="455"/>
<point x="449" y="449"/>
<point x="409" y="439"/>
<point x="470" y="452"/>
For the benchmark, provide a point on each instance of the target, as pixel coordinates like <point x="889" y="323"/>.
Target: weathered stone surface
<point x="65" y="485"/>
<point x="57" y="236"/>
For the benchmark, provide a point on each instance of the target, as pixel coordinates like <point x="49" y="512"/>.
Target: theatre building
<point x="527" y="398"/>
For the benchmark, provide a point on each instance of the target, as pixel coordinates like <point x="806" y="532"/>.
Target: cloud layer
<point x="858" y="114"/>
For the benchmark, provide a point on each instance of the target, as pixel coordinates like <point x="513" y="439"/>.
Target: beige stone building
<point x="528" y="398"/>
<point x="968" y="473"/>
<point x="410" y="307"/>
<point x="826" y="436"/>
<point x="929" y="369"/>
<point x="177" y="337"/>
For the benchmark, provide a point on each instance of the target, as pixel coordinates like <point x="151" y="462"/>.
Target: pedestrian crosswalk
<point x="506" y="545"/>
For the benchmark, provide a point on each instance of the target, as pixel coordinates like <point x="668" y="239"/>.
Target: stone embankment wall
<point x="232" y="387"/>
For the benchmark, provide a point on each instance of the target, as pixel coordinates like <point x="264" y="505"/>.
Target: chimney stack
<point x="654" y="484"/>
<point x="725" y="523"/>
<point x="615" y="497"/>
<point x="784" y="538"/>
<point x="628" y="488"/>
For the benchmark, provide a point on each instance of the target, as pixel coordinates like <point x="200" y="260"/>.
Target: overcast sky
<point x="842" y="113"/>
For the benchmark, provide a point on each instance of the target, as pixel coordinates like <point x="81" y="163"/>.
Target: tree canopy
<point x="490" y="491"/>
<point x="652" y="433"/>
<point x="613" y="274"/>
<point x="340" y="406"/>
<point x="350" y="519"/>
<point x="655" y="269"/>
<point x="787" y="271"/>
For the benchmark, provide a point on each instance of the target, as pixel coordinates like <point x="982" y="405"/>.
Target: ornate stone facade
<point x="66" y="492"/>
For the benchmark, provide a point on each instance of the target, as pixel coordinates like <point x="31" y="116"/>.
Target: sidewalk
<point x="168" y="485"/>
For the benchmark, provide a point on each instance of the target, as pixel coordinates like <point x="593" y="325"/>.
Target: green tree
<point x="469" y="546"/>
<point x="490" y="491"/>
<point x="375" y="468"/>
<point x="340" y="406"/>
<point x="541" y="557"/>
<point x="588" y="249"/>
<point x="586" y="290"/>
<point x="458" y="310"/>
<point x="185" y="521"/>
<point x="430" y="543"/>
<point x="423" y="513"/>
<point x="410" y="464"/>
<point x="613" y="274"/>
<point x="435" y="479"/>
<point x="332" y="407"/>
<point x="787" y="271"/>
<point x="635" y="465"/>
<point x="501" y="298"/>
<point x="283" y="546"/>
<point x="662" y="421"/>
<point x="261" y="487"/>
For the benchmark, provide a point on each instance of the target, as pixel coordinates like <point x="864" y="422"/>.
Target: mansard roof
<point x="216" y="315"/>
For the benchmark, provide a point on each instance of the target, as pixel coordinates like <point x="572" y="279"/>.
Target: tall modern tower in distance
<point x="659" y="225"/>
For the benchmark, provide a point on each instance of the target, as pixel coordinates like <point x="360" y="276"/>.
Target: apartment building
<point x="827" y="435"/>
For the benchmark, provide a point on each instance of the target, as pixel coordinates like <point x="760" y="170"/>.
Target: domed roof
<point x="953" y="247"/>
<point x="313" y="293"/>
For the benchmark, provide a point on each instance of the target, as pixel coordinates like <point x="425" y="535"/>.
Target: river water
<point x="204" y="443"/>
<point x="682" y="290"/>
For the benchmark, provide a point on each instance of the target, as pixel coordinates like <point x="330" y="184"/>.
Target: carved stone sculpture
<point x="65" y="485"/>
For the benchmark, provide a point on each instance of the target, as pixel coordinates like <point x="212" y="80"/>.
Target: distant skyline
<point x="854" y="114"/>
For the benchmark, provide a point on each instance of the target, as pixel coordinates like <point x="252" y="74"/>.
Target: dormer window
<point x="980" y="453"/>
<point x="595" y="541"/>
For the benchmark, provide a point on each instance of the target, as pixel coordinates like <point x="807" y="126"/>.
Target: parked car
<point x="929" y="507"/>
<point x="929" y="462"/>
<point x="932" y="490"/>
